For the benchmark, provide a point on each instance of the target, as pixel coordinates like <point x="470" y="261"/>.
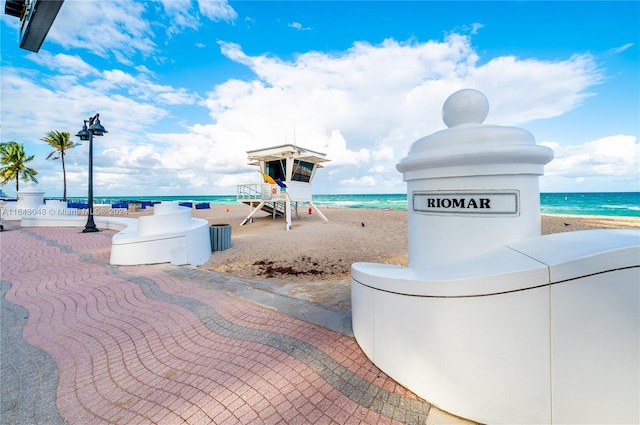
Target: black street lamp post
<point x="95" y="129"/>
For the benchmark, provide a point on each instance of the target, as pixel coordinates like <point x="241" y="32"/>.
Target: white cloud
<point x="299" y="27"/>
<point x="184" y="16"/>
<point x="524" y="90"/>
<point x="63" y="63"/>
<point x="30" y="109"/>
<point x="121" y="29"/>
<point x="117" y="77"/>
<point x="233" y="180"/>
<point x="360" y="181"/>
<point x="363" y="107"/>
<point x="606" y="164"/>
<point x="621" y="49"/>
<point x="475" y="27"/>
<point x="144" y="89"/>
<point x="104" y="28"/>
<point x="202" y="149"/>
<point x="384" y="154"/>
<point x="609" y="156"/>
<point x="217" y="10"/>
<point x="139" y="157"/>
<point x="336" y="148"/>
<point x="180" y="14"/>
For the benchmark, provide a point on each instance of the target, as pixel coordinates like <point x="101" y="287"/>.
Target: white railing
<point x="260" y="192"/>
<point x="249" y="191"/>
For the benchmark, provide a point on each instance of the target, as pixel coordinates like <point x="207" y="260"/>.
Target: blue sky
<point x="185" y="88"/>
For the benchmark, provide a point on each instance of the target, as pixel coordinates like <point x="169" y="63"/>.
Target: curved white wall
<point x="543" y="331"/>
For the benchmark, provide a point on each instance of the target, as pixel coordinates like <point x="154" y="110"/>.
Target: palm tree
<point x="59" y="140"/>
<point x="13" y="160"/>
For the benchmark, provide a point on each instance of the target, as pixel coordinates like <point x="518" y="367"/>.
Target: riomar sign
<point x="467" y="202"/>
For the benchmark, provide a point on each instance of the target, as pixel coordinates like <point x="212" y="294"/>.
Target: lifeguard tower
<point x="287" y="173"/>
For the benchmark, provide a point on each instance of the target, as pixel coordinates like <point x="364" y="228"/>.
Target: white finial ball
<point x="467" y="106"/>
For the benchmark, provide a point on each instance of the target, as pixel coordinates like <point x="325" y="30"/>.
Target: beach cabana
<point x="287" y="173"/>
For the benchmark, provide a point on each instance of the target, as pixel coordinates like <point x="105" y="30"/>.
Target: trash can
<point x="220" y="237"/>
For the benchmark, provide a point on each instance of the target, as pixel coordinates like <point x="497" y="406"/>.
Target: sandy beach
<point x="315" y="250"/>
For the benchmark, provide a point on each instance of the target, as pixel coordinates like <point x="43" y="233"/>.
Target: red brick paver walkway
<point x="137" y="345"/>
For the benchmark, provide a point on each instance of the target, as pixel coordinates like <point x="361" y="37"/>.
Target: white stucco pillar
<point x="471" y="187"/>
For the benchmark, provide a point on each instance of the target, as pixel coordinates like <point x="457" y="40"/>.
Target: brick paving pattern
<point x="84" y="342"/>
<point x="24" y="365"/>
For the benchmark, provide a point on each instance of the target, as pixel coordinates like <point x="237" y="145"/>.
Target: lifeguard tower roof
<point x="275" y="153"/>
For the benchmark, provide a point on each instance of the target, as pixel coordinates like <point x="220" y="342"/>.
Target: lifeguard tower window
<point x="302" y="171"/>
<point x="275" y="169"/>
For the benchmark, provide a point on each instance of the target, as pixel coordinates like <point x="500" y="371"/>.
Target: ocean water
<point x="621" y="204"/>
<point x="626" y="204"/>
<point x="617" y="204"/>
